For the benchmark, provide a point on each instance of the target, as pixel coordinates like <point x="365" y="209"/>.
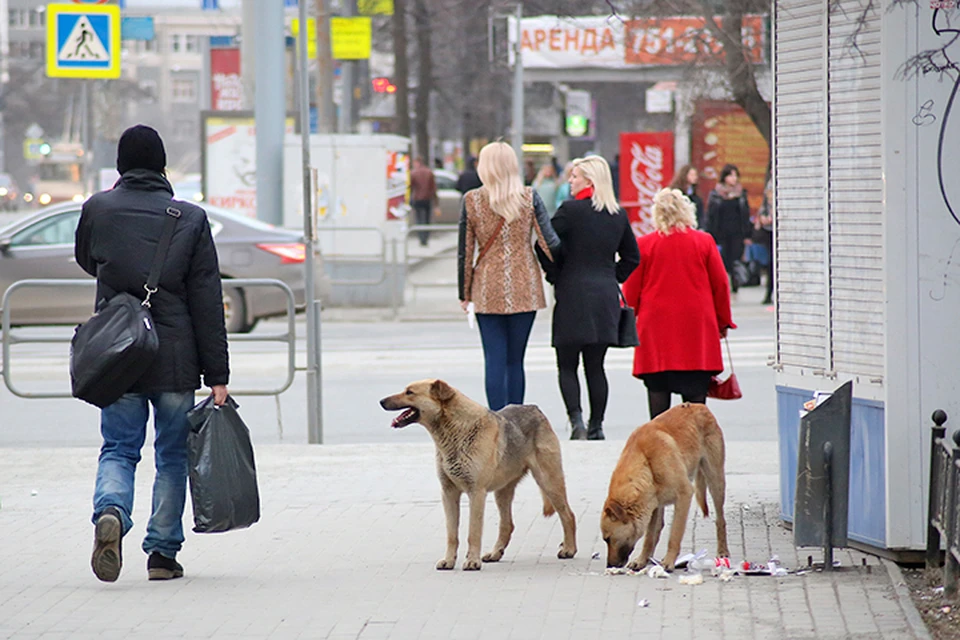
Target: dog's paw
<point x="565" y="552"/>
<point x="493" y="556"/>
<point x="637" y="565"/>
<point x="471" y="564"/>
<point x="445" y="564"/>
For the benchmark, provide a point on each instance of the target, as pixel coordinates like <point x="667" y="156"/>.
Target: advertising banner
<point x="226" y="84"/>
<point x="723" y="133"/>
<point x="555" y="42"/>
<point x="230" y="160"/>
<point x="646" y="166"/>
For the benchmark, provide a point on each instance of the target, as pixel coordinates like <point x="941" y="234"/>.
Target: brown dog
<point x="656" y="468"/>
<point x="478" y="451"/>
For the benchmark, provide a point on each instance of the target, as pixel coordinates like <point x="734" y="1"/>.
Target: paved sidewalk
<point x="347" y="544"/>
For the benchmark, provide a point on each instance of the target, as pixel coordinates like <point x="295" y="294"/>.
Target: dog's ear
<point x="615" y="511"/>
<point x="442" y="391"/>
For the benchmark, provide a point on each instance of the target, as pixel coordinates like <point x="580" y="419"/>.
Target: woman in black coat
<point x="728" y="219"/>
<point x="593" y="231"/>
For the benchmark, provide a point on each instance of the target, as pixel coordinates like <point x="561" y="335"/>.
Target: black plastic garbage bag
<point x="223" y="476"/>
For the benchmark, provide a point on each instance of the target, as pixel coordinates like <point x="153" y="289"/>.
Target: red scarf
<point x="584" y="194"/>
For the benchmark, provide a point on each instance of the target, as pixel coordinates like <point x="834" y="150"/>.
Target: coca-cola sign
<point x="646" y="166"/>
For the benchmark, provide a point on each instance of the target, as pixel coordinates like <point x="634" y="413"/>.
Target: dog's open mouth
<point x="407" y="417"/>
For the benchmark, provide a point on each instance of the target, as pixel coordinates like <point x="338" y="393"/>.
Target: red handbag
<point x="728" y="389"/>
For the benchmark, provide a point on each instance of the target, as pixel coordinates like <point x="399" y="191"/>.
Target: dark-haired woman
<point x="728" y="219"/>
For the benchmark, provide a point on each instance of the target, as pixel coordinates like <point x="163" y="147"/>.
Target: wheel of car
<point x="234" y="311"/>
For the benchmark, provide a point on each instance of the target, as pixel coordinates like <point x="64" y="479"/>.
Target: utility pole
<point x="518" y="91"/>
<point x="325" y="116"/>
<point x="270" y="111"/>
<point x="314" y="379"/>
<point x="400" y="69"/>
<point x="4" y="74"/>
<point x="248" y="52"/>
<point x="345" y="120"/>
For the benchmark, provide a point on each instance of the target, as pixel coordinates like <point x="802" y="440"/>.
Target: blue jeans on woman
<point x="504" y="339"/>
<point x="123" y="425"/>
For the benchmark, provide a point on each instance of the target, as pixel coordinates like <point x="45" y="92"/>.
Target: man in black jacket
<point x="116" y="239"/>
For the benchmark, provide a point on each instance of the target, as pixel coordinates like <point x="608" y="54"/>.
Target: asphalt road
<point x="365" y="361"/>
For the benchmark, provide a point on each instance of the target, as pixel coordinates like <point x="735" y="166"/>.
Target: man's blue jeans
<point x="504" y="339"/>
<point x="123" y="425"/>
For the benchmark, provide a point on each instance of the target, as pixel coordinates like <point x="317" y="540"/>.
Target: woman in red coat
<point x="682" y="299"/>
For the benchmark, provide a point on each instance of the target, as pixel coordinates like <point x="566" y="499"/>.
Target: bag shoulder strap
<point x="490" y="241"/>
<point x="729" y="356"/>
<point x="153" y="279"/>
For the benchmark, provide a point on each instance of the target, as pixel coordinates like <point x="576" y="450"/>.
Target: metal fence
<point x="10" y="337"/>
<point x="943" y="525"/>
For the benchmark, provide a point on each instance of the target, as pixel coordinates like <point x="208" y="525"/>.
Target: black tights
<point x="659" y="401"/>
<point x="568" y="360"/>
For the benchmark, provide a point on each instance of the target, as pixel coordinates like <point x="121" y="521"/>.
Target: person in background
<point x="598" y="251"/>
<point x="563" y="189"/>
<point x="423" y="195"/>
<point x="682" y="301"/>
<point x="497" y="223"/>
<point x="116" y="238"/>
<point x="685" y="181"/>
<point x="529" y="172"/>
<point x="763" y="234"/>
<point x="615" y="175"/>
<point x="728" y="219"/>
<point x="546" y="187"/>
<point x="469" y="178"/>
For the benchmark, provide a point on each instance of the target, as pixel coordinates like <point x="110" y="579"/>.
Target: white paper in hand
<point x="471" y="315"/>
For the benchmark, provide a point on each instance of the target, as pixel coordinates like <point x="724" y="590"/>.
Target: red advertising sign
<point x="723" y="133"/>
<point x="661" y="41"/>
<point x="226" y="85"/>
<point x="646" y="166"/>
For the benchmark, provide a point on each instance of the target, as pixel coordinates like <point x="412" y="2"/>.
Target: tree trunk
<point x="425" y="79"/>
<point x="740" y="75"/>
<point x="400" y="71"/>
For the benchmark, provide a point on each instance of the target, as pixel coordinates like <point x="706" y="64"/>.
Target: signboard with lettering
<point x="554" y="42"/>
<point x="226" y="83"/>
<point x="646" y="166"/>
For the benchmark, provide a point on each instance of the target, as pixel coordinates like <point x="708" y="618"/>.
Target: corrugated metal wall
<point x="829" y="190"/>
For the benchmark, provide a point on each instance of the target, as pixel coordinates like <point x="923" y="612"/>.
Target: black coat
<point x="116" y="239"/>
<point x="728" y="219"/>
<point x="587" y="273"/>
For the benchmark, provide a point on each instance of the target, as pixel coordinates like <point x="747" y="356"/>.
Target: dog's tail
<point x="548" y="509"/>
<point x="701" y="490"/>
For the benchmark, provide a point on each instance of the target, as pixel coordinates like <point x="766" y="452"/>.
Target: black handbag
<point x="110" y="351"/>
<point x="627" y="326"/>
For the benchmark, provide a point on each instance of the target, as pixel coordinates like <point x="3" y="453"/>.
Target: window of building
<point x="38" y="18"/>
<point x="192" y="43"/>
<point x="18" y="18"/>
<point x="184" y="90"/>
<point x="150" y="46"/>
<point x="175" y="43"/>
<point x="36" y="50"/>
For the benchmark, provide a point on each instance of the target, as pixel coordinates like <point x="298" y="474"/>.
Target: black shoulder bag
<point x="110" y="351"/>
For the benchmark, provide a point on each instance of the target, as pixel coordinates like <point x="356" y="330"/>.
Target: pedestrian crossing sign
<point x="83" y="41"/>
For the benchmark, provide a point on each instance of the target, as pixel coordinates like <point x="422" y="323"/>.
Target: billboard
<point x="226" y="83"/>
<point x="646" y="166"/>
<point x="555" y="42"/>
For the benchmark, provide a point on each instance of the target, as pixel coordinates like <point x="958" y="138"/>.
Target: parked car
<point x="40" y="245"/>
<point x="448" y="196"/>
<point x="9" y="195"/>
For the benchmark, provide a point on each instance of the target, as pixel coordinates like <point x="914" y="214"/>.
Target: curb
<point x="905" y="601"/>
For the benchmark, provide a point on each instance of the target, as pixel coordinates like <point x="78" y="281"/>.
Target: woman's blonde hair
<point x="672" y="210"/>
<point x="597" y="171"/>
<point x="500" y="174"/>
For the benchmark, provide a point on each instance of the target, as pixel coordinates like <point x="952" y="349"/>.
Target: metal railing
<point x="943" y="523"/>
<point x="10" y="337"/>
<point x="410" y="259"/>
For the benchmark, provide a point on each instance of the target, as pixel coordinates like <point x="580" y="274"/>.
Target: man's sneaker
<point x="160" y="567"/>
<point x="107" y="555"/>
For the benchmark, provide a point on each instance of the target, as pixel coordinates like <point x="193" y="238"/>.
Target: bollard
<point x="936" y="474"/>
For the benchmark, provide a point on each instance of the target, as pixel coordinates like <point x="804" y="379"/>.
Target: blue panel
<point x="137" y="28"/>
<point x="867" y="510"/>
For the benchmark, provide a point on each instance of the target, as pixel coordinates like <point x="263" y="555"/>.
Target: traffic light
<point x="577" y="114"/>
<point x="383" y="85"/>
<point x="45" y="148"/>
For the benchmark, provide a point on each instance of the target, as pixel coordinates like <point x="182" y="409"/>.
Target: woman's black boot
<point x="577" y="430"/>
<point x="595" y="429"/>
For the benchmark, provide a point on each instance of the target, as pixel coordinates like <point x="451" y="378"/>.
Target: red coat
<point x="682" y="299"/>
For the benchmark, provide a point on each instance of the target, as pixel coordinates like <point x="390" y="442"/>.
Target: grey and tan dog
<point x="479" y="451"/>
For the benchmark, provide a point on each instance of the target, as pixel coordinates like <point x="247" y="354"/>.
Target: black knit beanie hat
<point x="140" y="147"/>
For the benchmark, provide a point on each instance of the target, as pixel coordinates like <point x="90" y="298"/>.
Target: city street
<point x="364" y="361"/>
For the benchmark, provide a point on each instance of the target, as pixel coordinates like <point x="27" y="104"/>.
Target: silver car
<point x="40" y="245"/>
